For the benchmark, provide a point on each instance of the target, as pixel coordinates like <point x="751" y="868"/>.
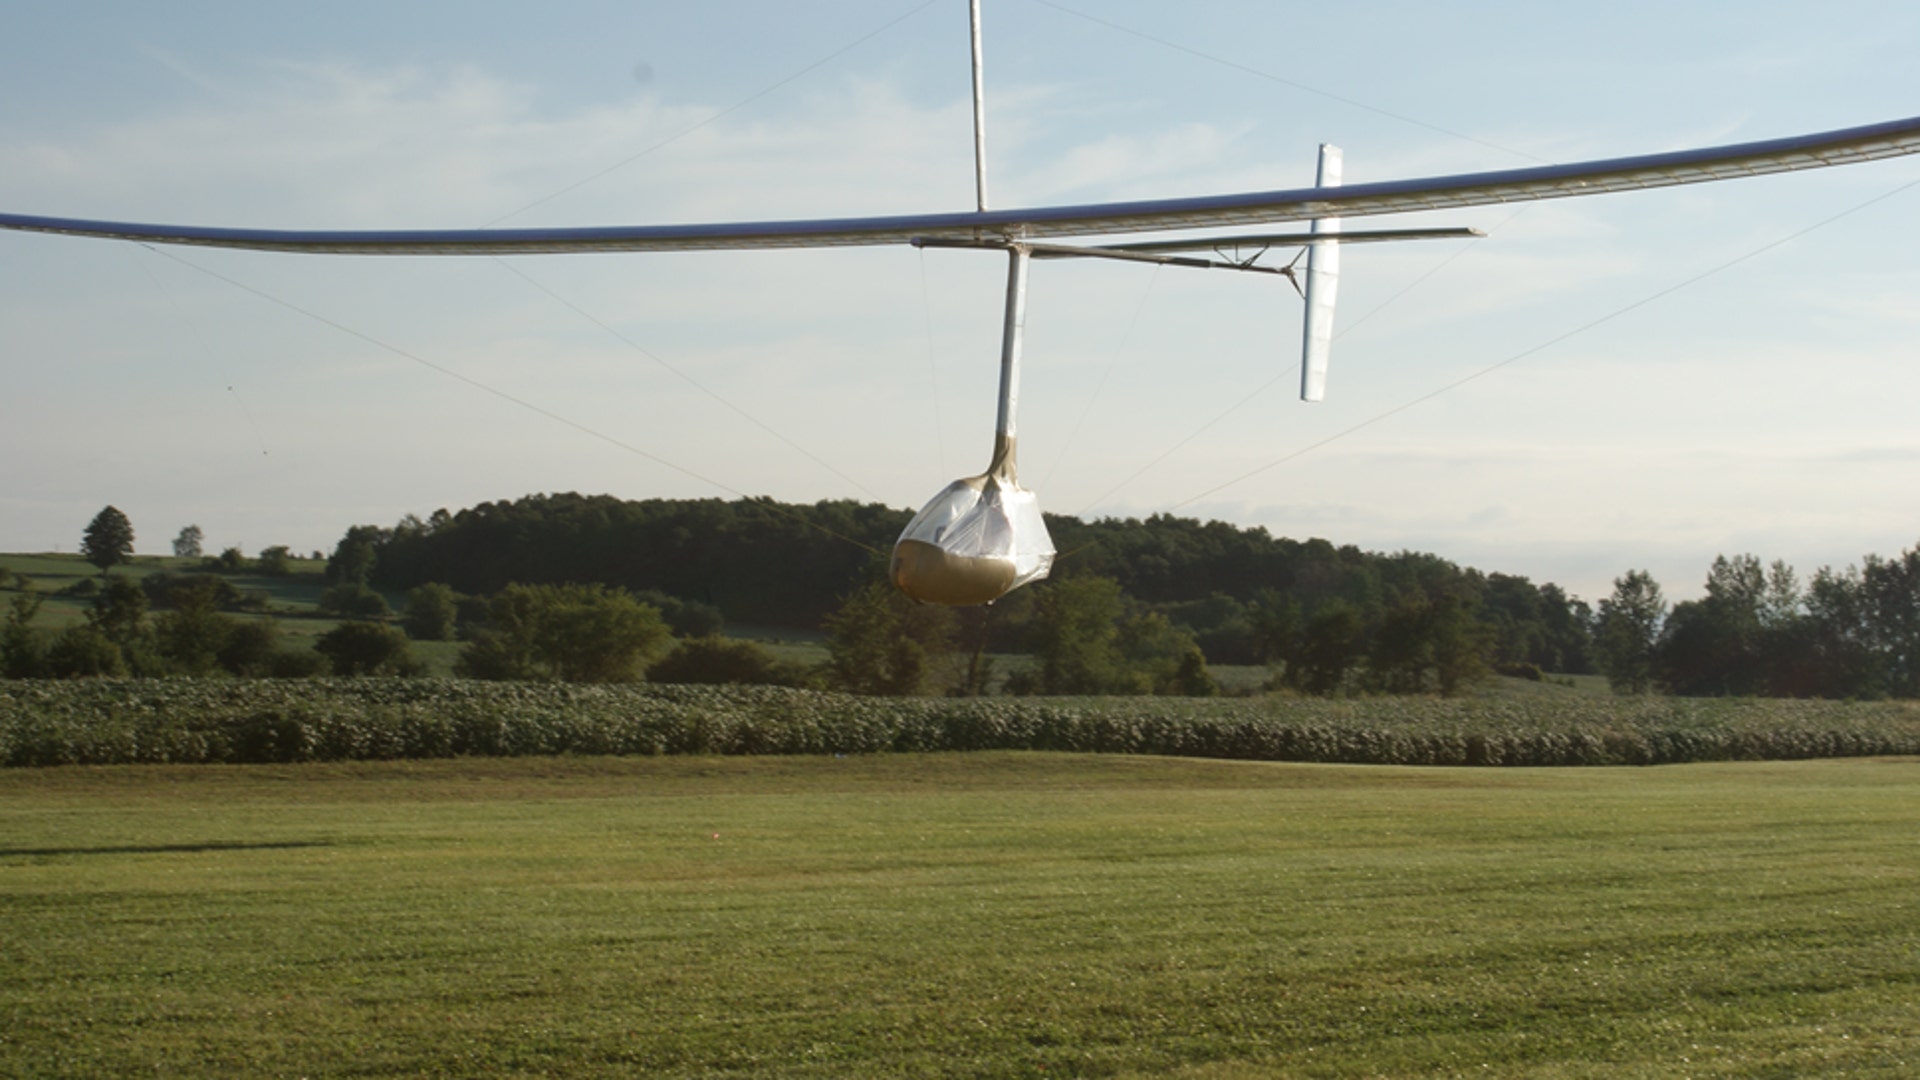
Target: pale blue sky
<point x="1765" y="408"/>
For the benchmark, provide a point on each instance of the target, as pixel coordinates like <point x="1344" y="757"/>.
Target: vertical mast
<point x="979" y="110"/>
<point x="1011" y="333"/>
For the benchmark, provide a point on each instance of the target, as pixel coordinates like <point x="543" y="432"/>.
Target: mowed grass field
<point x="992" y="914"/>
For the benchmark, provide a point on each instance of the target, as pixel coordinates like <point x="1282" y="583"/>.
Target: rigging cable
<point x="1106" y="372"/>
<point x="630" y="159"/>
<point x="226" y="376"/>
<point x="1271" y="77"/>
<point x="688" y="379"/>
<point x="1287" y="373"/>
<point x="504" y="396"/>
<point x="933" y="368"/>
<point x="1543" y="346"/>
<point x="733" y="108"/>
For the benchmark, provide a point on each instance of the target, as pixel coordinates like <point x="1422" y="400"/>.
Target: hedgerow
<point x="121" y="721"/>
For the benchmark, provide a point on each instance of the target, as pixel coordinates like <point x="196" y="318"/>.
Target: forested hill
<point x="772" y="563"/>
<point x="757" y="560"/>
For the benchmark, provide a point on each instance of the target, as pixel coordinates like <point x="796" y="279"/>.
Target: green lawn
<point x="959" y="915"/>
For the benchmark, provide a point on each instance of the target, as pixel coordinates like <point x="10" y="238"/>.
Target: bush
<point x="275" y="561"/>
<point x="431" y="612"/>
<point x="715" y="660"/>
<point x="107" y="721"/>
<point x="82" y="651"/>
<point x="1529" y="672"/>
<point x="250" y="647"/>
<point x="366" y="648"/>
<point x="686" y="618"/>
<point x="574" y="633"/>
<point x="22" y="652"/>
<point x="164" y="590"/>
<point x="354" y="601"/>
<point x="297" y="664"/>
<point x="230" y="561"/>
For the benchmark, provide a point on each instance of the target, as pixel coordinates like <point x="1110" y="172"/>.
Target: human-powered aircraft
<point x="983" y="536"/>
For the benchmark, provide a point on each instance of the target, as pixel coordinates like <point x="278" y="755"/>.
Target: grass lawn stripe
<point x="959" y="915"/>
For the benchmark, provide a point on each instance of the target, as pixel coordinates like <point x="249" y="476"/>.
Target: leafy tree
<point x="120" y="611"/>
<point x="1426" y="643"/>
<point x="108" y="541"/>
<point x="354" y="557"/>
<point x="230" y="561"/>
<point x="432" y="610"/>
<point x="1711" y="645"/>
<point x="1160" y="658"/>
<point x="1191" y="678"/>
<point x="276" y="561"/>
<point x="1401" y="652"/>
<point x="1890" y="599"/>
<point x="191" y="635"/>
<point x="367" y="648"/>
<point x="22" y="653"/>
<point x="1076" y="638"/>
<point x="879" y="642"/>
<point x="1629" y="626"/>
<point x="1840" y="651"/>
<point x="187" y="544"/>
<point x="1568" y="623"/>
<point x="1331" y="645"/>
<point x="573" y="633"/>
<point x="252" y="647"/>
<point x="1221" y="625"/>
<point x="686" y="618"/>
<point x="1277" y="626"/>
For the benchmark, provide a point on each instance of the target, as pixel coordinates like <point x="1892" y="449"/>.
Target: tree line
<point x="1176" y="592"/>
<point x="593" y="588"/>
<point x="1758" y="630"/>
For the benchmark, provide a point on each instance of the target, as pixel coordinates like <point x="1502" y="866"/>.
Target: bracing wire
<point x="226" y="377"/>
<point x="728" y="111"/>
<point x="683" y="376"/>
<point x="503" y="395"/>
<point x="550" y="414"/>
<point x="1106" y="372"/>
<point x="1285" y="374"/>
<point x="1551" y="342"/>
<point x="933" y="367"/>
<point x="1283" y="81"/>
<point x="683" y="133"/>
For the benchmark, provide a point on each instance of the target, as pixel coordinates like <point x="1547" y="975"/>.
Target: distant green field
<point x="959" y="915"/>
<point x="292" y="598"/>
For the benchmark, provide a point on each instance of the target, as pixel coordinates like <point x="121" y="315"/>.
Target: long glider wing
<point x="1841" y="147"/>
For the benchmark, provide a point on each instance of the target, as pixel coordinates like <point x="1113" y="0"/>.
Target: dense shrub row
<point x="128" y="721"/>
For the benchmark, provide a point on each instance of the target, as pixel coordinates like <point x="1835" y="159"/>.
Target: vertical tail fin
<point x="1323" y="287"/>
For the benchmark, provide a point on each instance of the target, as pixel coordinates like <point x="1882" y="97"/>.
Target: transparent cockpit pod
<point x="982" y="536"/>
<point x="976" y="541"/>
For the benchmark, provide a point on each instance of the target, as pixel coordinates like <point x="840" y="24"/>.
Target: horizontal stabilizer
<point x="1297" y="239"/>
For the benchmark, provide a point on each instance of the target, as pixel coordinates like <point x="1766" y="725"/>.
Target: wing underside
<point x="1841" y="147"/>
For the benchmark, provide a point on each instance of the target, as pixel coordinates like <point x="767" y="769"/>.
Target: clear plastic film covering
<point x="983" y="536"/>
<point x="976" y="541"/>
